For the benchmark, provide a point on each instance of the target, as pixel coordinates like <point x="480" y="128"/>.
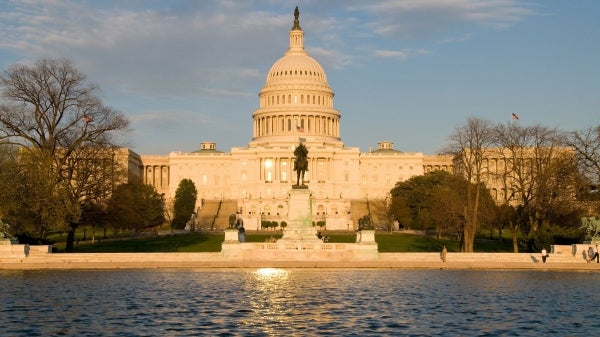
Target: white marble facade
<point x="295" y="104"/>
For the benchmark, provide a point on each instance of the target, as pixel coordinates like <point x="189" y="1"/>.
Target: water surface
<point x="299" y="302"/>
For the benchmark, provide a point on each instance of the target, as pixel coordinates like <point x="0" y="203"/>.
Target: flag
<point x="299" y="129"/>
<point x="515" y="117"/>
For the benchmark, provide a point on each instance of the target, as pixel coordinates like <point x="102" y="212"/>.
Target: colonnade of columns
<point x="156" y="175"/>
<point x="293" y="124"/>
<point x="272" y="169"/>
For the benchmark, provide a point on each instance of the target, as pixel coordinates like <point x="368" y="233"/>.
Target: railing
<point x="300" y="246"/>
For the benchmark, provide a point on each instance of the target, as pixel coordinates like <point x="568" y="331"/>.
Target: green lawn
<point x="211" y="242"/>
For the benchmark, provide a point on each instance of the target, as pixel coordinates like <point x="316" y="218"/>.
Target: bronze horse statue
<point x="301" y="163"/>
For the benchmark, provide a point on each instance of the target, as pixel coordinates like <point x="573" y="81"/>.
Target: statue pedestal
<point x="300" y="226"/>
<point x="366" y="237"/>
<point x="231" y="236"/>
<point x="300" y="241"/>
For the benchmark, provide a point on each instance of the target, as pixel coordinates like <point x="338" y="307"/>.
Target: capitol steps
<point x="207" y="214"/>
<point x="227" y="208"/>
<point x="358" y="209"/>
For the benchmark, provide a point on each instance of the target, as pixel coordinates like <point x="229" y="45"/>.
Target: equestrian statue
<point x="300" y="163"/>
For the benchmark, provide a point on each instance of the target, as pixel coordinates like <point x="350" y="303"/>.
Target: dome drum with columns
<point x="295" y="104"/>
<point x="296" y="99"/>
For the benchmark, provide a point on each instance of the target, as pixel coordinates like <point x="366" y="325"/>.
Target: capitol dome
<point x="297" y="67"/>
<point x="296" y="100"/>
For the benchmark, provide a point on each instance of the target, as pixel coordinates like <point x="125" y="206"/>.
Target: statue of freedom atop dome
<point x="300" y="163"/>
<point x="296" y="21"/>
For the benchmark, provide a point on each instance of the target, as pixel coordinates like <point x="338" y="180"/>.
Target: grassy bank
<point x="211" y="242"/>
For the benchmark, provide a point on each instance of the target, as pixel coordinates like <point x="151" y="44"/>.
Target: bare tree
<point x="536" y="174"/>
<point x="468" y="144"/>
<point x="50" y="111"/>
<point x="586" y="144"/>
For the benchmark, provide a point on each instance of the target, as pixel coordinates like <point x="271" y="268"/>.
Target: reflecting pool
<point x="299" y="302"/>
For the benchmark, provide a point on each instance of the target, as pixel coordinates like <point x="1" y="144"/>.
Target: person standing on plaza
<point x="241" y="234"/>
<point x="444" y="253"/>
<point x="544" y="255"/>
<point x="590" y="254"/>
<point x="596" y="256"/>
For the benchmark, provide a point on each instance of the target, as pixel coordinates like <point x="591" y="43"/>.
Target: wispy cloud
<point x="399" y="54"/>
<point x="186" y="49"/>
<point x="414" y="18"/>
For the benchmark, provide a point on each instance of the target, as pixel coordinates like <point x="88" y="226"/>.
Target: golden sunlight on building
<point x="296" y="104"/>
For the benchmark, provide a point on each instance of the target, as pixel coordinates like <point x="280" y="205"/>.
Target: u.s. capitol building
<point x="295" y="105"/>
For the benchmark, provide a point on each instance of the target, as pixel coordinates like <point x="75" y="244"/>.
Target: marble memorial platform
<point x="300" y="241"/>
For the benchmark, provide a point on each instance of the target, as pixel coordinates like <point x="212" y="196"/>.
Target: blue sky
<point x="408" y="71"/>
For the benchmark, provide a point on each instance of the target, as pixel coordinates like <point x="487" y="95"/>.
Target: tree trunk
<point x="515" y="241"/>
<point x="71" y="237"/>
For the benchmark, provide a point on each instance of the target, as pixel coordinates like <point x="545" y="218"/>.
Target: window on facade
<point x="204" y="179"/>
<point x="321" y="170"/>
<point x="269" y="170"/>
<point x="244" y="176"/>
<point x="320" y="210"/>
<point x="284" y="170"/>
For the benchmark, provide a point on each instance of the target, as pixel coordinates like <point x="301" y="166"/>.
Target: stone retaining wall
<point x="330" y="255"/>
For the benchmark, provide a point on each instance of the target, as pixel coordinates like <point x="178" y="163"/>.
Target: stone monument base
<point x="308" y="250"/>
<point x="300" y="241"/>
<point x="300" y="227"/>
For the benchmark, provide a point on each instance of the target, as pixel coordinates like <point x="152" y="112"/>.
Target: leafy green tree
<point x="8" y="175"/>
<point x="94" y="215"/>
<point x="53" y="115"/>
<point x="185" y="202"/>
<point x="135" y="207"/>
<point x="438" y="200"/>
<point x="400" y="211"/>
<point x="411" y="200"/>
